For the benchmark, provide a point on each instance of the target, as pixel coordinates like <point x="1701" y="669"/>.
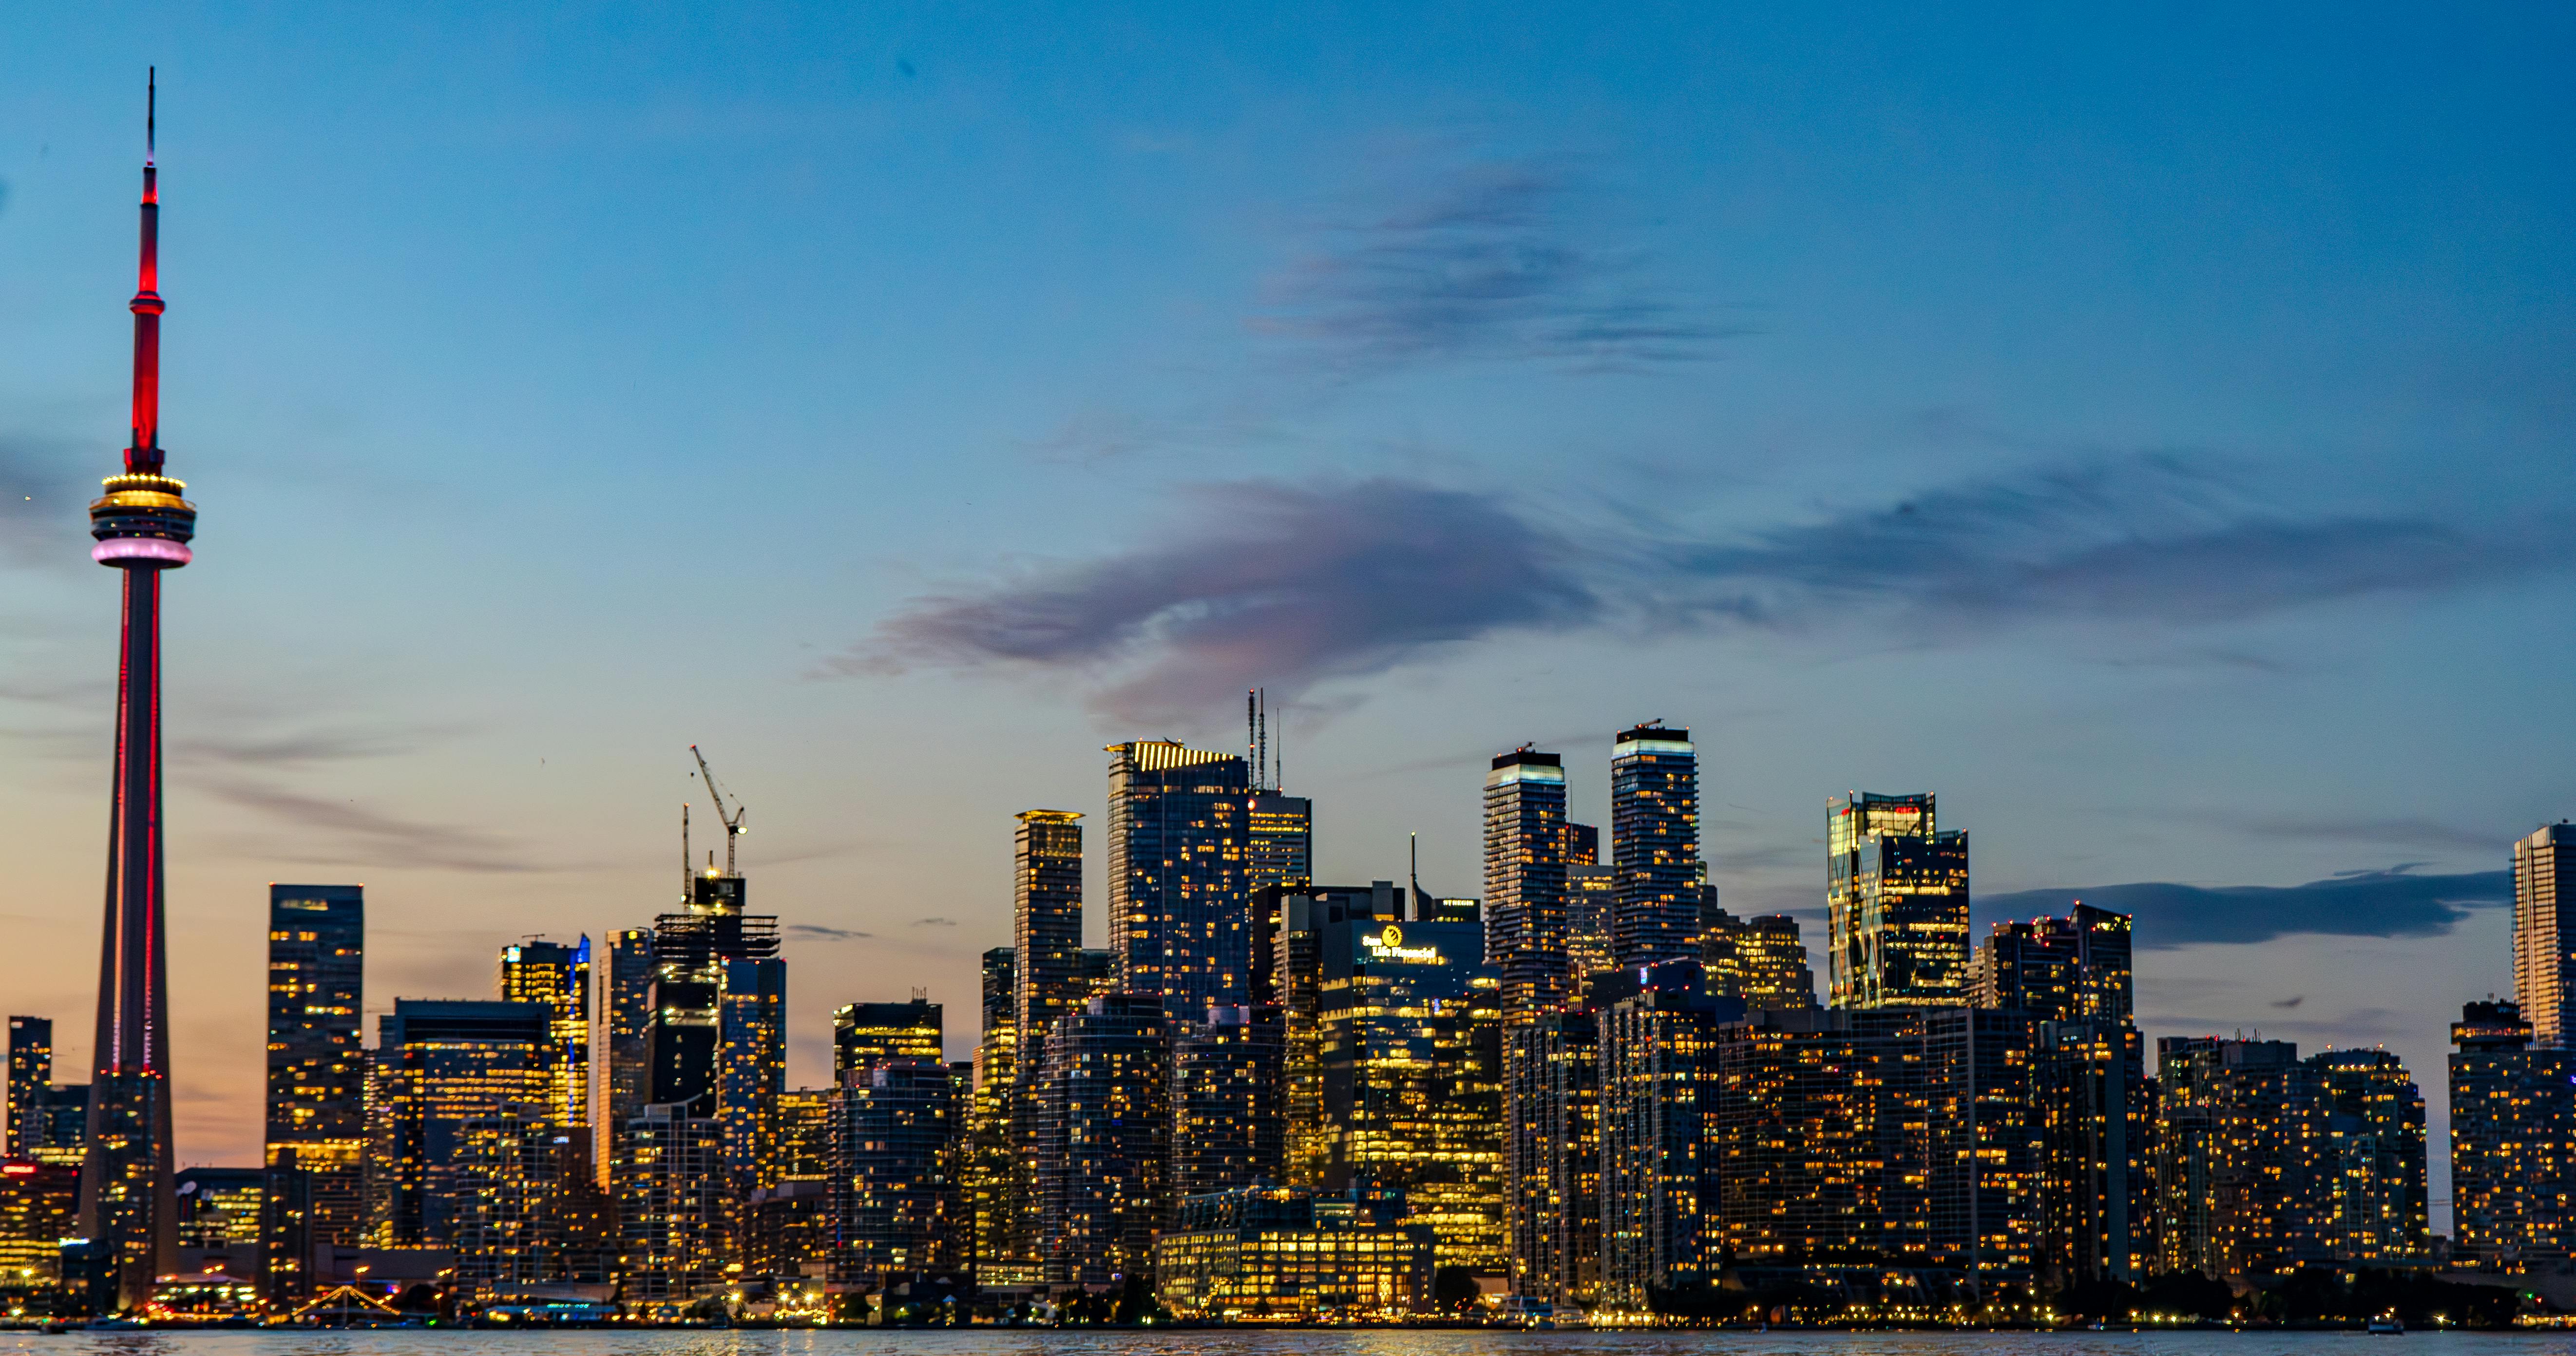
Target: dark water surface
<point x="1225" y="1342"/>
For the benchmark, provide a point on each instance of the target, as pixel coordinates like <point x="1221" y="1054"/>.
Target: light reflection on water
<point x="1223" y="1342"/>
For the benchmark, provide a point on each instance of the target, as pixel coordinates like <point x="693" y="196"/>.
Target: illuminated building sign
<point x="1388" y="944"/>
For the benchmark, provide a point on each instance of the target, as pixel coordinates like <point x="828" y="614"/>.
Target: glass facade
<point x="1104" y="1128"/>
<point x="623" y="1081"/>
<point x="1896" y="897"/>
<point x="1228" y="1127"/>
<point x="31" y="1079"/>
<point x="896" y="1205"/>
<point x="2544" y="952"/>
<point x="539" y="971"/>
<point x="438" y="1066"/>
<point x="1654" y="846"/>
<point x="1760" y="960"/>
<point x="1179" y="885"/>
<point x="1294" y="1255"/>
<point x="316" y="1121"/>
<point x="868" y="1034"/>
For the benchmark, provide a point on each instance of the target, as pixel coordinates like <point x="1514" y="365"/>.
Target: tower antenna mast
<point x="732" y="818"/>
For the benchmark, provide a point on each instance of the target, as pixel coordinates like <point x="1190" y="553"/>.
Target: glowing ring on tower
<point x="158" y="549"/>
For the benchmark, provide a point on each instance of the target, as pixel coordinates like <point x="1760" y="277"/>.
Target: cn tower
<point x="142" y="526"/>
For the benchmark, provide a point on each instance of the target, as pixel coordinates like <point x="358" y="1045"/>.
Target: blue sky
<point x="2146" y="429"/>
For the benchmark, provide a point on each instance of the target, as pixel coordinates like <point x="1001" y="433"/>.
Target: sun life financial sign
<point x="1388" y="944"/>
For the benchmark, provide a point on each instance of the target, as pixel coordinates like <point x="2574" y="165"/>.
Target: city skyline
<point x="387" y="706"/>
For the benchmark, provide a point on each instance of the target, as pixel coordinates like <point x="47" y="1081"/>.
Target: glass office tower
<point x="1654" y="846"/>
<point x="1896" y="899"/>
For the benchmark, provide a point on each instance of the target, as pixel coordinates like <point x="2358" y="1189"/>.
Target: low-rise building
<point x="1292" y="1254"/>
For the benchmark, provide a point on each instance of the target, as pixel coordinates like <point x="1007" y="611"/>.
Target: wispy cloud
<point x="934" y="922"/>
<point x="2391" y="903"/>
<point x="1289" y="585"/>
<point x="1485" y="263"/>
<point x="344" y="833"/>
<point x="294" y="747"/>
<point x="819" y="933"/>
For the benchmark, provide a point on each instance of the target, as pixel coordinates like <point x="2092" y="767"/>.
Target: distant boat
<point x="2385" y="1327"/>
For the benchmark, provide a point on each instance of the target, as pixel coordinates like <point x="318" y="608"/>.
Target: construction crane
<point x="732" y="818"/>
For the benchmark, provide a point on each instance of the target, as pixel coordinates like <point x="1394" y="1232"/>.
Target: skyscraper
<point x="1896" y="898"/>
<point x="317" y="1080"/>
<point x="895" y="1200"/>
<point x="2234" y="1154"/>
<point x="31" y="1078"/>
<point x="1046" y="913"/>
<point x="1654" y="845"/>
<point x="2371" y="1204"/>
<point x="1104" y="1126"/>
<point x="1526" y="839"/>
<point x="1179" y="899"/>
<point x="2513" y="1141"/>
<point x="1278" y="840"/>
<point x="143" y="527"/>
<point x="539" y="971"/>
<point x="624" y="1073"/>
<point x="2067" y="969"/>
<point x="717" y="1042"/>
<point x="2544" y="946"/>
<point x="438" y="1066"/>
<point x="1661" y="1225"/>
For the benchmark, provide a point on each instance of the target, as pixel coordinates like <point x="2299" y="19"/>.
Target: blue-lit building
<point x="1654" y="846"/>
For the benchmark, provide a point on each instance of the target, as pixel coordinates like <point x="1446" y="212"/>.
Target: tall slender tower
<point x="142" y="527"/>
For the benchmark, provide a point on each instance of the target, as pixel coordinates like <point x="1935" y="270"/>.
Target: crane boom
<point x="732" y="818"/>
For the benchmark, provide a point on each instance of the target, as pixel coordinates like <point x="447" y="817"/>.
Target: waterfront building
<point x="2093" y="1108"/>
<point x="64" y="1133"/>
<point x="786" y="1226"/>
<point x="1556" y="1227"/>
<point x="1896" y="903"/>
<point x="39" y="1203"/>
<point x="2234" y="1152"/>
<point x="623" y="1072"/>
<point x="2544" y="940"/>
<point x="673" y="1206"/>
<point x="1660" y="1149"/>
<point x="1104" y="1122"/>
<point x="316" y="1116"/>
<point x="992" y="1112"/>
<point x="219" y="1209"/>
<point x="1408" y="1043"/>
<point x="1761" y="960"/>
<point x="1179" y="895"/>
<point x="1293" y="1254"/>
<point x="1654" y="845"/>
<point x="1228" y="1076"/>
<point x="869" y="1034"/>
<point x="31" y="1078"/>
<point x="539" y="971"/>
<point x="1526" y="839"/>
<point x="1046" y="913"/>
<point x="2371" y="1204"/>
<point x="2513" y="1142"/>
<point x="895" y="1202"/>
<point x="143" y="527"/>
<point x="437" y="1066"/>
<point x="529" y="1209"/>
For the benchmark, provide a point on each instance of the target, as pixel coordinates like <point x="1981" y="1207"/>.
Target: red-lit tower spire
<point x="143" y="526"/>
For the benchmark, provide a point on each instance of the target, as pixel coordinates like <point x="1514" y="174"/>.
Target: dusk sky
<point x="2148" y="430"/>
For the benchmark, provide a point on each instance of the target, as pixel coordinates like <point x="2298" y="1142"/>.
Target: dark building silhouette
<point x="1105" y="1121"/>
<point x="1229" y="1127"/>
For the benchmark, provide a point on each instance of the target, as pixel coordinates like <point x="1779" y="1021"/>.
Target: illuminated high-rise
<point x="1654" y="846"/>
<point x="868" y="1034"/>
<point x="1896" y="901"/>
<point x="143" y="527"/>
<point x="317" y="1081"/>
<point x="1278" y="840"/>
<point x="1104" y="1139"/>
<point x="1660" y="1144"/>
<point x="622" y="1072"/>
<point x="896" y="1206"/>
<point x="1761" y="960"/>
<point x="2370" y="1171"/>
<point x="439" y="1065"/>
<point x="2544" y="939"/>
<point x="2513" y="1142"/>
<point x="2067" y="969"/>
<point x="1046" y="915"/>
<point x="31" y="1078"/>
<point x="1526" y="841"/>
<point x="539" y="971"/>
<point x="1409" y="1076"/>
<point x="1228" y="1127"/>
<point x="1179" y="893"/>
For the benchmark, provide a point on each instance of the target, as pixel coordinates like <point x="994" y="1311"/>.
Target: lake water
<point x="1227" y="1342"/>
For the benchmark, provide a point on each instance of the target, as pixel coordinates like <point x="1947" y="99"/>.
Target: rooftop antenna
<point x="1265" y="736"/>
<point x="151" y="108"/>
<point x="1413" y="871"/>
<point x="1252" y="737"/>
<point x="686" y="871"/>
